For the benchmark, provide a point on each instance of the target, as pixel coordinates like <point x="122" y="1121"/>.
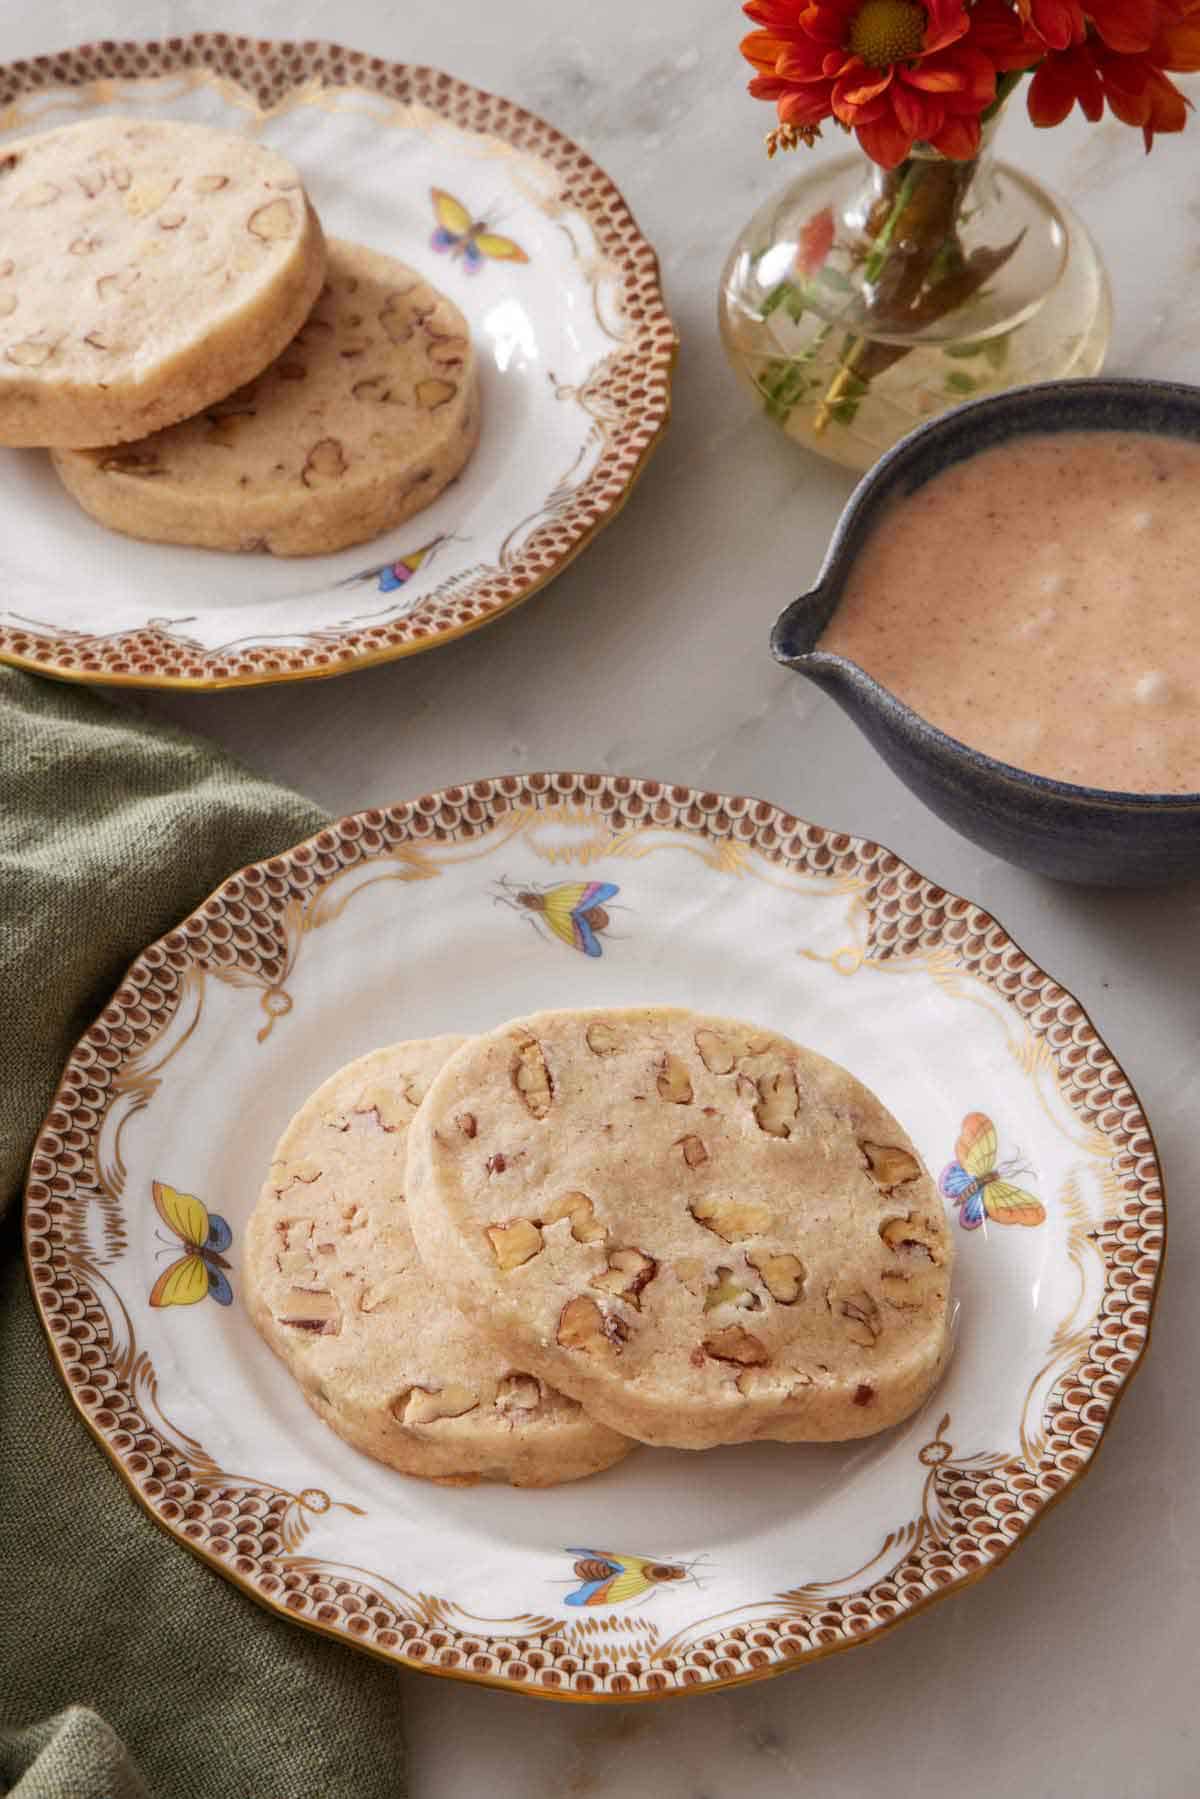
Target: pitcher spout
<point x="799" y="626"/>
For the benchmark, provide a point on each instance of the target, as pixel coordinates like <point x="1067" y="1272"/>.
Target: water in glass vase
<point x="862" y="301"/>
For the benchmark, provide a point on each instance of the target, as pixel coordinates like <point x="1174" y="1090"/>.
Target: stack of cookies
<point x="515" y="1256"/>
<point x="205" y="367"/>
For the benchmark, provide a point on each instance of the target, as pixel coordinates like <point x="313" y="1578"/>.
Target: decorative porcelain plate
<point x="458" y="910"/>
<point x="576" y="350"/>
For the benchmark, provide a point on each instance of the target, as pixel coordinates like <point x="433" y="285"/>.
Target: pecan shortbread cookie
<point x="335" y="1286"/>
<point x="362" y="421"/>
<point x="699" y="1230"/>
<point x="147" y="268"/>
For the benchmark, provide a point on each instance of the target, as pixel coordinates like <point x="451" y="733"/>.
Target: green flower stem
<point x="916" y="273"/>
<point x="878" y="256"/>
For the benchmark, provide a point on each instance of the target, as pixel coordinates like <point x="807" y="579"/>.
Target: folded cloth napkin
<point x="127" y="1668"/>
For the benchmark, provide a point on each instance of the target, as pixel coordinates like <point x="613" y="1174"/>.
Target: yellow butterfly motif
<point x="980" y="1188"/>
<point x="461" y="235"/>
<point x="199" y="1272"/>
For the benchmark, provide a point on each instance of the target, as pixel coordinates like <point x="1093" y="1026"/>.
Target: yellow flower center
<point x="887" y="31"/>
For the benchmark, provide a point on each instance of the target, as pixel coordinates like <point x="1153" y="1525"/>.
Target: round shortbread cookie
<point x="147" y="269"/>
<point x="361" y="422"/>
<point x="335" y="1286"/>
<point x="699" y="1230"/>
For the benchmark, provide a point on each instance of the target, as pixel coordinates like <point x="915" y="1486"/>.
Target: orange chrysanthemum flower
<point x="1092" y="73"/>
<point x="896" y="72"/>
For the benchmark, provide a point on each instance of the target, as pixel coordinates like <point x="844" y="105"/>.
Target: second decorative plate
<point x="670" y="1571"/>
<point x="576" y="351"/>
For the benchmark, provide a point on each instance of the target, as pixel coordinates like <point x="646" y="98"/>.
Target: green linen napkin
<point x="127" y="1668"/>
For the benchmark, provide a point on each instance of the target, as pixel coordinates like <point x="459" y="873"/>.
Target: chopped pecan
<point x="627" y="1273"/>
<point x="695" y="1152"/>
<point x="913" y="1239"/>
<point x="396" y="317"/>
<point x="272" y="221"/>
<point x="725" y="1290"/>
<point x="890" y="1166"/>
<point x="432" y="393"/>
<point x="424" y="1405"/>
<point x="732" y="1219"/>
<point x="32" y="354"/>
<point x="148" y="195"/>
<point x="718" y="1053"/>
<point x="674" y="1081"/>
<point x="859" y="1313"/>
<point x="530" y="1075"/>
<point x="782" y="1275"/>
<point x="514" y="1244"/>
<point x="778" y="1103"/>
<point x="312" y="1309"/>
<point x="690" y="1271"/>
<point x="585" y="1226"/>
<point x="582" y="1325"/>
<point x="736" y="1344"/>
<point x="326" y="461"/>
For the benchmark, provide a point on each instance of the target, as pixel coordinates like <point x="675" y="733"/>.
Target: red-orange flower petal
<point x="917" y="116"/>
<point x="1125" y="25"/>
<point x="1066" y="77"/>
<point x="827" y="22"/>
<point x="807" y="62"/>
<point x="1057" y="22"/>
<point x="1168" y="107"/>
<point x="884" y="141"/>
<point x="776" y="15"/>
<point x="761" y="50"/>
<point x="1139" y="94"/>
<point x="957" y="71"/>
<point x="767" y="87"/>
<point x="959" y="138"/>
<point x="948" y="21"/>
<point x="1003" y="37"/>
<point x="804" y="106"/>
<point x="856" y="87"/>
<point x="1177" y="45"/>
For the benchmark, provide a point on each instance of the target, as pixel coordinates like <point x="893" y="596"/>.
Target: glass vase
<point x="861" y="301"/>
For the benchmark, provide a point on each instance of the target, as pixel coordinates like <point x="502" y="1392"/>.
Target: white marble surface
<point x="1071" y="1670"/>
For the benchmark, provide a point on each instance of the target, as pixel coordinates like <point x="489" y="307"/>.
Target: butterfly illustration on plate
<point x="611" y="1579"/>
<point x="979" y="1187"/>
<point x="459" y="234"/>
<point x="393" y="575"/>
<point x="200" y="1271"/>
<point x="576" y="912"/>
